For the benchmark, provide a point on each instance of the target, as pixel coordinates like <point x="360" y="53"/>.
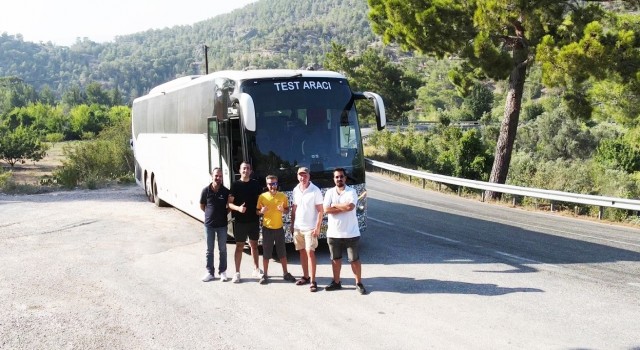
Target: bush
<point x="91" y="163"/>
<point x="54" y="137"/>
<point x="4" y="177"/>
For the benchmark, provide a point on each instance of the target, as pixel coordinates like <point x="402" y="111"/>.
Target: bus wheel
<point x="147" y="189"/>
<point x="158" y="202"/>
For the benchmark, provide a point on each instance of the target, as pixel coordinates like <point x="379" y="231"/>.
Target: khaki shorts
<point x="305" y="240"/>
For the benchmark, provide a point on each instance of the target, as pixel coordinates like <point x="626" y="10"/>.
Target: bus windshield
<point x="308" y="122"/>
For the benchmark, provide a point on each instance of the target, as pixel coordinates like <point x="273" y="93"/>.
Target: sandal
<point x="303" y="281"/>
<point x="314" y="287"/>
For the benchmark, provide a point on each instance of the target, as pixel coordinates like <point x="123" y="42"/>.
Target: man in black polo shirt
<point x="214" y="201"/>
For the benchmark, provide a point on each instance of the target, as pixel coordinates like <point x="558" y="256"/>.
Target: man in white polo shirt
<point x="342" y="230"/>
<point x="306" y="218"/>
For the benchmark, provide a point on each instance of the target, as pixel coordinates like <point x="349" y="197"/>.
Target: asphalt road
<point x="106" y="269"/>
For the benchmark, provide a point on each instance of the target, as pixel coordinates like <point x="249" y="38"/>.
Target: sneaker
<point x="223" y="277"/>
<point x="236" y="278"/>
<point x="288" y="277"/>
<point x="257" y="273"/>
<point x="264" y="279"/>
<point x="333" y="286"/>
<point x="360" y="288"/>
<point x="208" y="278"/>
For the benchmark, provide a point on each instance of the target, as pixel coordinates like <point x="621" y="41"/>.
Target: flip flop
<point x="303" y="281"/>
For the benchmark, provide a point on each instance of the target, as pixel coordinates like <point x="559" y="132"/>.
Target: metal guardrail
<point x="600" y="201"/>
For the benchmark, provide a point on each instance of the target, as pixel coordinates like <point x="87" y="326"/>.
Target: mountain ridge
<point x="263" y="34"/>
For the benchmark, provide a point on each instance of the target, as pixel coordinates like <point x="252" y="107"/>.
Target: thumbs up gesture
<point x="243" y="208"/>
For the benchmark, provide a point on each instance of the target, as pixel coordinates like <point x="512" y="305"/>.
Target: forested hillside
<point x="265" y="34"/>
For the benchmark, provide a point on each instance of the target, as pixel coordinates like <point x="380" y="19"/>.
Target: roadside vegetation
<point x="573" y="123"/>
<point x="93" y="128"/>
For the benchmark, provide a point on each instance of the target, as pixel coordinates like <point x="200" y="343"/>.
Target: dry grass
<point x="29" y="177"/>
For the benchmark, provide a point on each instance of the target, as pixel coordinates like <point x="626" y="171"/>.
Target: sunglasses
<point x="272" y="184"/>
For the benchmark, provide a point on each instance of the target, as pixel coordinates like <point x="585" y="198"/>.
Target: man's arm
<point x="293" y="216"/>
<point x="316" y="232"/>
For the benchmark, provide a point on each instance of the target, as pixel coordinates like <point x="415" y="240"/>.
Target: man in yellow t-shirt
<point x="271" y="205"/>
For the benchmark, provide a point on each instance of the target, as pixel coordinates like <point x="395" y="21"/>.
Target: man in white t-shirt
<point x="343" y="231"/>
<point x="306" y="218"/>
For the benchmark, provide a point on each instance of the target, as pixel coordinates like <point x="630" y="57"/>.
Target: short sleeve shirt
<point x="215" y="209"/>
<point x="344" y="224"/>
<point x="272" y="217"/>
<point x="247" y="193"/>
<point x="305" y="202"/>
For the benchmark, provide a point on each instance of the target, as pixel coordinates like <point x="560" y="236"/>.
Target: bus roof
<point x="242" y="75"/>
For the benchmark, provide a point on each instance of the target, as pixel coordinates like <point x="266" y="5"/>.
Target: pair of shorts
<point x="269" y="237"/>
<point x="305" y="240"/>
<point x="242" y="230"/>
<point x="337" y="245"/>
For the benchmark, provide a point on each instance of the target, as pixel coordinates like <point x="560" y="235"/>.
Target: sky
<point x="62" y="21"/>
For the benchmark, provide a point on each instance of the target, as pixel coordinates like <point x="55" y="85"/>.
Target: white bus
<point x="277" y="120"/>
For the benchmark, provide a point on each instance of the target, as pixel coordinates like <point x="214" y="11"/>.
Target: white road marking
<point x="417" y="231"/>
<point x="436" y="236"/>
<point x="380" y="221"/>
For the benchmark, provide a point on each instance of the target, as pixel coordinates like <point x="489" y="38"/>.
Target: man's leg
<point x="238" y="255"/>
<point x="336" y="266"/>
<point x="312" y="264"/>
<point x="356" y="267"/>
<point x="253" y="244"/>
<point x="304" y="263"/>
<point x="210" y="237"/>
<point x="222" y="248"/>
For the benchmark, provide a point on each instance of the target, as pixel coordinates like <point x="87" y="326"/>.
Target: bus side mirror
<point x="378" y="105"/>
<point x="247" y="111"/>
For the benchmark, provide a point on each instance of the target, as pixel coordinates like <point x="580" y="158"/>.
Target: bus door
<point x="219" y="149"/>
<point x="225" y="152"/>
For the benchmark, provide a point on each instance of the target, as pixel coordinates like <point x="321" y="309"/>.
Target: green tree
<point x="21" y="144"/>
<point x="500" y="39"/>
<point x="619" y="155"/>
<point x="74" y="96"/>
<point x="374" y="72"/>
<point x="14" y="92"/>
<point x="88" y="120"/>
<point x="479" y="101"/>
<point x="96" y="95"/>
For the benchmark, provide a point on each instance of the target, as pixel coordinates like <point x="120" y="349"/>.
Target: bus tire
<point x="154" y="193"/>
<point x="147" y="188"/>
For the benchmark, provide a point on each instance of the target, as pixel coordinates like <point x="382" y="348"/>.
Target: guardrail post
<point x="551" y="206"/>
<point x="482" y="196"/>
<point x="423" y="183"/>
<point x="513" y="201"/>
<point x="600" y="213"/>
